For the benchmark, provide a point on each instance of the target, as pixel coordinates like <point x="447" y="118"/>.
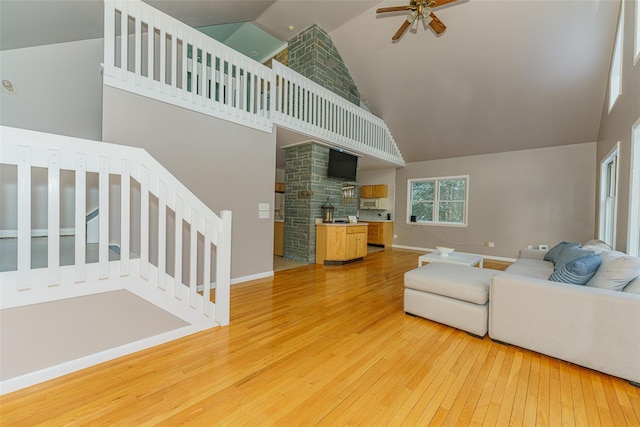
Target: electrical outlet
<point x="395" y="236"/>
<point x="489" y="244"/>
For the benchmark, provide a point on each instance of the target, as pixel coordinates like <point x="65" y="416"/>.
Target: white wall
<point x="59" y="88"/>
<point x="374" y="177"/>
<point x="616" y="124"/>
<point x="226" y="165"/>
<point x="516" y="199"/>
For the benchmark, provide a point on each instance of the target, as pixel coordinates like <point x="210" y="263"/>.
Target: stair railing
<point x="162" y="283"/>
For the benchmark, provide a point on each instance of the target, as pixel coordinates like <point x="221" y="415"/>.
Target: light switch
<point x="263" y="214"/>
<point x="263" y="206"/>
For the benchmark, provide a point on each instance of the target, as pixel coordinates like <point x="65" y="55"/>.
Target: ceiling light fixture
<point x="8" y="87"/>
<point x="419" y="10"/>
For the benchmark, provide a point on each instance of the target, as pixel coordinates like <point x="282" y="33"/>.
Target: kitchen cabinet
<point x="279" y="187"/>
<point x="278" y="238"/>
<point x="340" y="242"/>
<point x="374" y="191"/>
<point x="380" y="233"/>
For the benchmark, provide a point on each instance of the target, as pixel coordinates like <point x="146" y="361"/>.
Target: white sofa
<point x="589" y="326"/>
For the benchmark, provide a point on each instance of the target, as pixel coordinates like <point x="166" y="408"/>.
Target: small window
<point x="633" y="240"/>
<point x="609" y="197"/>
<point x="615" y="76"/>
<point x="438" y="201"/>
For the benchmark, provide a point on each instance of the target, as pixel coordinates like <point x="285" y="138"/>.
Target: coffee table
<point x="453" y="258"/>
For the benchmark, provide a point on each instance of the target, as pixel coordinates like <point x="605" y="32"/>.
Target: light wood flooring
<point x="329" y="346"/>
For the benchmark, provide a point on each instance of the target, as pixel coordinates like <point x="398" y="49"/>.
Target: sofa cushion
<point x="552" y="254"/>
<point x="537" y="269"/>
<point x="578" y="271"/>
<point x="569" y="253"/>
<point x="616" y="271"/>
<point x="633" y="286"/>
<point x="451" y="280"/>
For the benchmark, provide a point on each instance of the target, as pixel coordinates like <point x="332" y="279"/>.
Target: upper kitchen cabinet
<point x="374" y="191"/>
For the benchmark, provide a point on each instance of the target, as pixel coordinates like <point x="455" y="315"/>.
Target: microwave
<point x="380" y="204"/>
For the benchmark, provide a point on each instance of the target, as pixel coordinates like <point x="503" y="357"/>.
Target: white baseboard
<point x="491" y="257"/>
<point x="47" y="374"/>
<point x="242" y="279"/>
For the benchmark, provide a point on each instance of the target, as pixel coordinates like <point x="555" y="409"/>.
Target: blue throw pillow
<point x="577" y="271"/>
<point x="569" y="253"/>
<point x="552" y="254"/>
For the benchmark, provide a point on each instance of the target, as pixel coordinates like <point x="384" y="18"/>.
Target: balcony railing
<point x="149" y="53"/>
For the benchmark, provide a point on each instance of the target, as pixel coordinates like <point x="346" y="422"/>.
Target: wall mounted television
<point x="342" y="165"/>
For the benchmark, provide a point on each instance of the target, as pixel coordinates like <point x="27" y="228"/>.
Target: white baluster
<point x="53" y="222"/>
<point x="125" y="217"/>
<point x="193" y="259"/>
<point x="144" y="222"/>
<point x="103" y="218"/>
<point x="24" y="217"/>
<point x="81" y="208"/>
<point x="162" y="234"/>
<point x="177" y="271"/>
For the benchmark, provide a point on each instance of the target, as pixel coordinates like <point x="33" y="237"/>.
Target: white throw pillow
<point x="616" y="271"/>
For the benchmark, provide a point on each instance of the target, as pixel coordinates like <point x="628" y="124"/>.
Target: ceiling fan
<point x="419" y="10"/>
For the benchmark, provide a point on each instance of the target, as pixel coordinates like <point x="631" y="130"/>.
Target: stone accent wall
<point x="313" y="54"/>
<point x="306" y="190"/>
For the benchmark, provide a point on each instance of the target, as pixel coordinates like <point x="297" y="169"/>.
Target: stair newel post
<point x="223" y="269"/>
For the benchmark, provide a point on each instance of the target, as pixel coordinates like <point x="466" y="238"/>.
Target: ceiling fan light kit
<point x="419" y="10"/>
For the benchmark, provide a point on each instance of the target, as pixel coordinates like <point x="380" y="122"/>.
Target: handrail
<point x="149" y="53"/>
<point x="29" y="149"/>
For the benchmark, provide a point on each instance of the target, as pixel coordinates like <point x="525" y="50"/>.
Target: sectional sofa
<point x="595" y="323"/>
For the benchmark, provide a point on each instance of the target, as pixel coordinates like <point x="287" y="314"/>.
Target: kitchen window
<point x="438" y="201"/>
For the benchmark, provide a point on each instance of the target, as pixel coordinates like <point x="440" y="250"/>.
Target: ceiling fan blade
<point x="393" y="9"/>
<point x="401" y="30"/>
<point x="437" y="24"/>
<point x="442" y="2"/>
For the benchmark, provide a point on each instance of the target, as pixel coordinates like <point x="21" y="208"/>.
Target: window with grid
<point x="438" y="201"/>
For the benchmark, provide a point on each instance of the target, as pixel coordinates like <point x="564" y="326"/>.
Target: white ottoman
<point x="453" y="294"/>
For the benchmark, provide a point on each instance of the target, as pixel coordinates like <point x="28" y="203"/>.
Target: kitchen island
<point x="340" y="243"/>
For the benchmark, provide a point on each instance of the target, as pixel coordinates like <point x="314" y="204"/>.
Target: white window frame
<point x="436" y="201"/>
<point x="633" y="238"/>
<point x="615" y="74"/>
<point x="605" y="200"/>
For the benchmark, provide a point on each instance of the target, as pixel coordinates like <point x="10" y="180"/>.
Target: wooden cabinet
<point x="279" y="187"/>
<point x="278" y="238"/>
<point x="340" y="242"/>
<point x="380" y="233"/>
<point x="374" y="191"/>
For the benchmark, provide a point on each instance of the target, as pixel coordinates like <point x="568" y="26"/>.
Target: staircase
<point x="173" y="270"/>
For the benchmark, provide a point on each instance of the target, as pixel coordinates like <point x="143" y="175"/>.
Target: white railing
<point x="152" y="54"/>
<point x="147" y="274"/>
<point x="305" y="106"/>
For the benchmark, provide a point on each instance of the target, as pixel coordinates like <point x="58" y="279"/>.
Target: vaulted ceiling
<point x="505" y="75"/>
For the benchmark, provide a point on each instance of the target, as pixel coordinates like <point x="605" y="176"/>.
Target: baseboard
<point x="17" y="383"/>
<point x="242" y="279"/>
<point x="491" y="257"/>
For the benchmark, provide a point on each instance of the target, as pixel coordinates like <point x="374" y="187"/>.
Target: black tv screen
<point x="342" y="165"/>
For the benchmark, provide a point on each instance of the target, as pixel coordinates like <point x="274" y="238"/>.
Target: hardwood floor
<point x="329" y="346"/>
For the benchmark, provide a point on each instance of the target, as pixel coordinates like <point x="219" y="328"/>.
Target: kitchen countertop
<point x="341" y="224"/>
<point x="375" y="220"/>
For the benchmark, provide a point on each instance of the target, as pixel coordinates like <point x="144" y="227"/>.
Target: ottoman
<point x="454" y="294"/>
